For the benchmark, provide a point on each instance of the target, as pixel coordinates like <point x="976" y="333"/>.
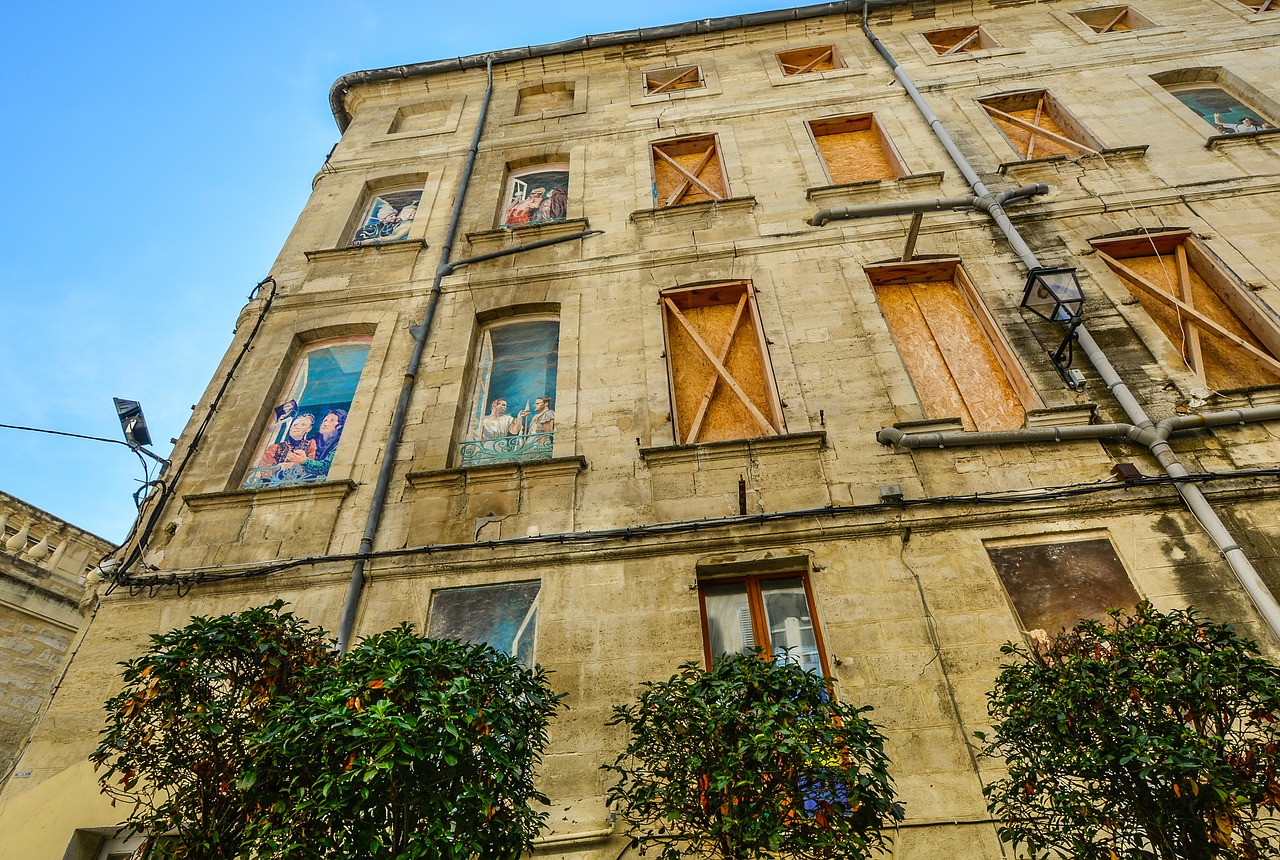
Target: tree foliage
<point x="1150" y="736"/>
<point x="753" y="759"/>
<point x="411" y="748"/>
<point x="177" y="736"/>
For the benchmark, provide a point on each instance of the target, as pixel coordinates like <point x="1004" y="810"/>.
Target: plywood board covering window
<point x="1113" y="19"/>
<point x="856" y="149"/>
<point x="1054" y="585"/>
<point x="668" y="80"/>
<point x="802" y="61"/>
<point x="1225" y="338"/>
<point x="957" y="358"/>
<point x="1038" y="126"/>
<point x="960" y="40"/>
<point x="721" y="382"/>
<point x="1262" y="5"/>
<point x="688" y="170"/>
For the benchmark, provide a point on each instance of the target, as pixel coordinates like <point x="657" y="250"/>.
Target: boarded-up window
<point x="688" y="170"/>
<point x="802" y="61"/>
<point x="1262" y="5"/>
<point x="959" y="40"/>
<point x="721" y="383"/>
<point x="673" y="78"/>
<point x="503" y="616"/>
<point x="1113" y="19"/>
<point x="956" y="355"/>
<point x="856" y="149"/>
<point x="1038" y="126"/>
<point x="1225" y="337"/>
<point x="552" y="97"/>
<point x="1054" y="585"/>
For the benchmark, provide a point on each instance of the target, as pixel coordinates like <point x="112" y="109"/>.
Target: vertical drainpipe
<point x="420" y="333"/>
<point x="1191" y="494"/>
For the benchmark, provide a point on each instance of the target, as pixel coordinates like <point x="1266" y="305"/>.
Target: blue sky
<point x="156" y="156"/>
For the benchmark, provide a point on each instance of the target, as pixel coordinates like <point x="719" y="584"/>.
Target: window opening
<point x="1054" y="585"/>
<point x="1037" y="126"/>
<point x="774" y="613"/>
<point x="1113" y="19"/>
<point x="536" y="195"/>
<point x="856" y="149"/>
<point x="1224" y="337"/>
<point x="388" y="217"/>
<point x="1219" y="108"/>
<point x="515" y="380"/>
<point x="544" y="97"/>
<point x="299" y="445"/>
<point x="721" y="384"/>
<point x="956" y="355"/>
<point x="802" y="61"/>
<point x="957" y="40"/>
<point x="1262" y="5"/>
<point x="688" y="170"/>
<point x="667" y="80"/>
<point x="503" y="616"/>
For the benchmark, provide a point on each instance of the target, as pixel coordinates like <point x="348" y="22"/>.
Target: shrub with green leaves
<point x="177" y="737"/>
<point x="1154" y="735"/>
<point x="410" y="748"/>
<point x="754" y="759"/>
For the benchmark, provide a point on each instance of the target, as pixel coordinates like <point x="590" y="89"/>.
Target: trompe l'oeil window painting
<point x="1226" y="113"/>
<point x="306" y="425"/>
<point x="536" y="194"/>
<point x="512" y="409"/>
<point x="388" y="218"/>
<point x="503" y="616"/>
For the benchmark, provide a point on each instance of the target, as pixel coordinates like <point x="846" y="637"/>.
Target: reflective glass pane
<point x="728" y="619"/>
<point x="786" y="611"/>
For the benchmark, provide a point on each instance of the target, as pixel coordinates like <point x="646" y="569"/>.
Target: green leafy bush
<point x="1150" y="736"/>
<point x="177" y="736"/>
<point x="753" y="759"/>
<point x="411" y="748"/>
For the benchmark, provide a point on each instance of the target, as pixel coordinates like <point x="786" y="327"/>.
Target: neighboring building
<point x="659" y="441"/>
<point x="43" y="565"/>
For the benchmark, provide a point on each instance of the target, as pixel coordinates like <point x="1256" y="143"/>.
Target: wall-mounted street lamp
<point x="1056" y="295"/>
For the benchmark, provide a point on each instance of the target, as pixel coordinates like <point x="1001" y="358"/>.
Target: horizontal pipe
<point x="906" y="207"/>
<point x="1224" y="418"/>
<point x="581" y="836"/>
<point x="962" y="439"/>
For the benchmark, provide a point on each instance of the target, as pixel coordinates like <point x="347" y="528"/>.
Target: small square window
<point x="672" y="79"/>
<point x="1113" y="19"/>
<point x="773" y="613"/>
<point x="856" y="149"/>
<point x="1038" y="126"/>
<point x="388" y="217"/>
<point x="960" y="40"/>
<point x="688" y="170"/>
<point x="804" y="61"/>
<point x="545" y="98"/>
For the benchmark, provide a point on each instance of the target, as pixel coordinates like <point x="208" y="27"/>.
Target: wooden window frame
<point x="952" y="270"/>
<point x="957" y="41"/>
<point x="1190" y="254"/>
<point x="743" y="295"/>
<point x="1103" y="20"/>
<point x="674" y="79"/>
<point x="658" y="152"/>
<point x="854" y="123"/>
<point x="802" y="61"/>
<point x="759" y="626"/>
<point x="997" y="107"/>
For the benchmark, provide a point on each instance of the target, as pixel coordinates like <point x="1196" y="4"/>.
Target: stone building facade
<point x="43" y="565"/>
<point x="711" y="382"/>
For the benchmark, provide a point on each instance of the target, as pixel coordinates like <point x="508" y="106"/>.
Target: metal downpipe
<point x="420" y="333"/>
<point x="1191" y="494"/>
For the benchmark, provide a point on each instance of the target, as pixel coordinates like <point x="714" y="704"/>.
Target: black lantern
<point x="1056" y="295"/>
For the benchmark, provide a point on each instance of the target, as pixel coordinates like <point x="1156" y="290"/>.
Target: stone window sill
<point x="735" y="448"/>
<point x="532" y="470"/>
<point x="270" y="495"/>
<point x="695" y="212"/>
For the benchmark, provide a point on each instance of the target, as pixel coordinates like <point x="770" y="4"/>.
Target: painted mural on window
<point x="536" y="194"/>
<point x="1226" y="113"/>
<point x="512" y="415"/>
<point x="388" y="218"/>
<point x="504" y="616"/>
<point x="307" y="424"/>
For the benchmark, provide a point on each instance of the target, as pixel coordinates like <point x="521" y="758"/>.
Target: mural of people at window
<point x="1226" y="113"/>
<point x="388" y="218"/>
<point x="300" y="442"/>
<point x="536" y="194"/>
<point x="512" y="416"/>
<point x="504" y="616"/>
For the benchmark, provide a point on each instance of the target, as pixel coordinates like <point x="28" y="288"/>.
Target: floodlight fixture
<point x="133" y="423"/>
